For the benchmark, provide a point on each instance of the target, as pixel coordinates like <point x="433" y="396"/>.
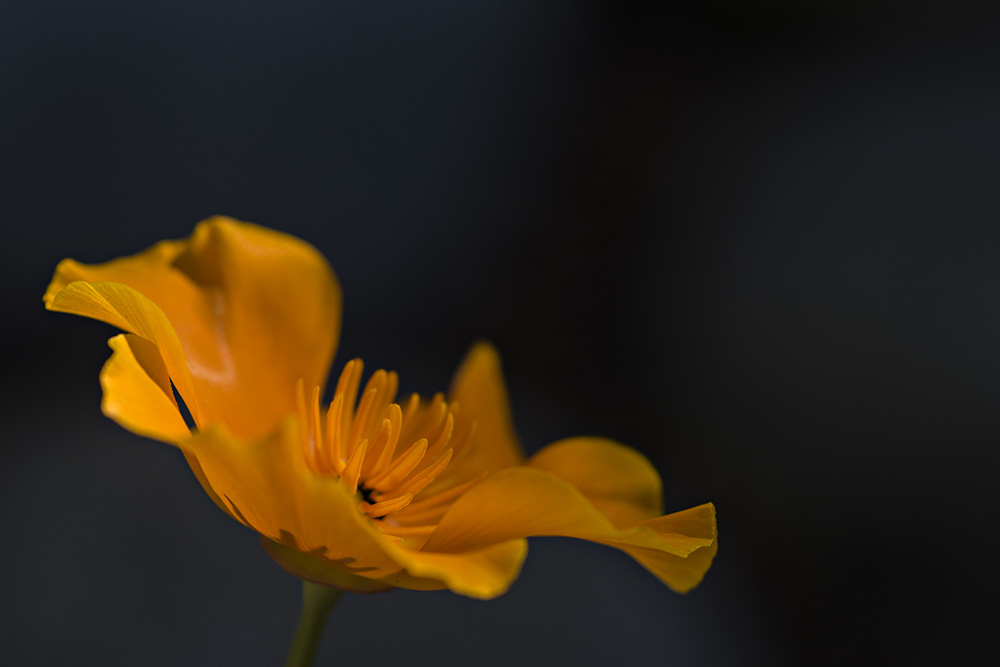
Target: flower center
<point x="385" y="454"/>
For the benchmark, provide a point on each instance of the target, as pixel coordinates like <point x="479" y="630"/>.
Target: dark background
<point x="756" y="241"/>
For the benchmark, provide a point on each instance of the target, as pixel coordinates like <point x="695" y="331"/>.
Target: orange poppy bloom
<point x="369" y="492"/>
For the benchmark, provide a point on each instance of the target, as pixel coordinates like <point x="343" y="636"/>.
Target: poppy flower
<point x="237" y="326"/>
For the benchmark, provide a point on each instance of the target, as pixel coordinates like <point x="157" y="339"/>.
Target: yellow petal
<point x="137" y="395"/>
<point x="255" y="310"/>
<point x="320" y="571"/>
<point x="125" y="308"/>
<point x="479" y="390"/>
<point x="269" y="487"/>
<point x="682" y="529"/>
<point x="617" y="480"/>
<point x="479" y="573"/>
<point x="137" y="391"/>
<point x="522" y="502"/>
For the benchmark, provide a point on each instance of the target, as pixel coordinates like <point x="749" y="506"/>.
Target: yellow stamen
<point x="361" y="416"/>
<point x="300" y="404"/>
<point x="334" y="431"/>
<point x="320" y="457"/>
<point x="390" y="391"/>
<point x="422" y="422"/>
<point x="432" y="508"/>
<point x="347" y="386"/>
<point x="376" y="447"/>
<point x="418" y="482"/>
<point x="360" y="444"/>
<point x="397" y="471"/>
<point x="352" y="471"/>
<point x="412" y="404"/>
<point x="375" y="510"/>
<point x="443" y="438"/>
<point x="394" y="419"/>
<point x="372" y="410"/>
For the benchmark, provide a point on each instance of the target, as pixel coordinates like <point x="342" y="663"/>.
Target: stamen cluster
<point x="363" y="447"/>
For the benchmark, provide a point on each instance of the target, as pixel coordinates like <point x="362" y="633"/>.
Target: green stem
<point x="317" y="603"/>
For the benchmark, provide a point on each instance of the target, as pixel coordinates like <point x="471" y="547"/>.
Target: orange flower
<point x="367" y="493"/>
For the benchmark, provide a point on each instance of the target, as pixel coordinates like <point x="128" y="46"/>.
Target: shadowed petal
<point x="320" y="571"/>
<point x="522" y="502"/>
<point x="483" y="574"/>
<point x="254" y="310"/>
<point x="617" y="480"/>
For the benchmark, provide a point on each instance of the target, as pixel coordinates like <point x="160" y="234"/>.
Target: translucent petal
<point x="617" y="480"/>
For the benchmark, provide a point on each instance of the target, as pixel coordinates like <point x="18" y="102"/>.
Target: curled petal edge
<point x="524" y="502"/>
<point x="123" y="307"/>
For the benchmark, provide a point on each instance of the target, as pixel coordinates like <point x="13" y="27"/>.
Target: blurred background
<point x="756" y="241"/>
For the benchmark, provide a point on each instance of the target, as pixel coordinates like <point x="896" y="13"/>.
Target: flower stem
<point x="317" y="603"/>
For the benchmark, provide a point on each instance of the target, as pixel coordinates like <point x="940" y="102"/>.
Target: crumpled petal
<point x="691" y="528"/>
<point x="253" y="311"/>
<point x="479" y="390"/>
<point x="619" y="481"/>
<point x="523" y="502"/>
